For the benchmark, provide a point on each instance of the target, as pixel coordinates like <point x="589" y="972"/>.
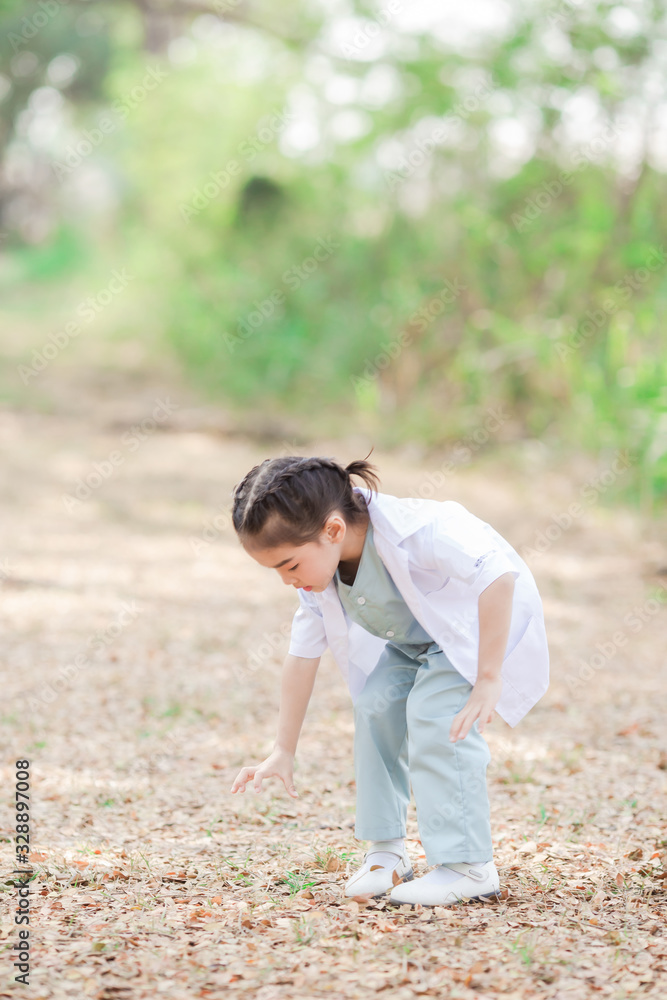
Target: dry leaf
<point x="628" y="729"/>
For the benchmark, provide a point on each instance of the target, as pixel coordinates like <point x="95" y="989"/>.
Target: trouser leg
<point x="448" y="779"/>
<point x="381" y="748"/>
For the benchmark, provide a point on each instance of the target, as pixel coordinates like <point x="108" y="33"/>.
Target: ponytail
<point x="365" y="471"/>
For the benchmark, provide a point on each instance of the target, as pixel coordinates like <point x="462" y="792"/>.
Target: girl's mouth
<point x="307" y="588"/>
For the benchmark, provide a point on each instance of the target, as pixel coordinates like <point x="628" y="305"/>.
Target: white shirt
<point x="441" y="557"/>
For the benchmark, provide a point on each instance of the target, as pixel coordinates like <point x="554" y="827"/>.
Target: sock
<point x="398" y="841"/>
<point x="384" y="858"/>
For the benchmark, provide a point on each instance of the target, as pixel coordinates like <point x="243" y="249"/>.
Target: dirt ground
<point x="141" y="653"/>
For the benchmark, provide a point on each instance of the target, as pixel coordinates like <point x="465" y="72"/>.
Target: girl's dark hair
<point x="286" y="501"/>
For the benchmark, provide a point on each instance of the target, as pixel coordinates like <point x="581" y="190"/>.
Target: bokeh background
<point x="393" y="218"/>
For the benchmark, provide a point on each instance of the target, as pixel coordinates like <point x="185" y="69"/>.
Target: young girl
<point x="435" y="621"/>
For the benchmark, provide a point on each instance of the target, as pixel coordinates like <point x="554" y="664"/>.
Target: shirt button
<point x="389" y="633"/>
<point x="361" y="600"/>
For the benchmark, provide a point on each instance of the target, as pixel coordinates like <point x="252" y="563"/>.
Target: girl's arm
<point x="298" y="679"/>
<point x="495" y="616"/>
<point x="297" y="685"/>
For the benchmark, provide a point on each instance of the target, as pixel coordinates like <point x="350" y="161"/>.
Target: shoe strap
<point x="473" y="873"/>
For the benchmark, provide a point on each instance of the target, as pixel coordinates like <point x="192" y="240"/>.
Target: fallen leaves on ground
<point x="151" y="879"/>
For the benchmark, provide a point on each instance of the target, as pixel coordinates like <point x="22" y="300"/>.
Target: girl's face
<point x="311" y="566"/>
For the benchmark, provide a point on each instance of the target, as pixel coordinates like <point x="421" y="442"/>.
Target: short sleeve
<point x="308" y="637"/>
<point x="465" y="549"/>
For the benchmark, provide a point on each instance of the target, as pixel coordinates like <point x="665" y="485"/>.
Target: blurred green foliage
<point x="343" y="233"/>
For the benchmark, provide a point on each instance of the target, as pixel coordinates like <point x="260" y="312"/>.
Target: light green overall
<point x="402" y="721"/>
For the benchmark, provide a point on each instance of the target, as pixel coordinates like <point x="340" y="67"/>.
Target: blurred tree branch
<point x="225" y="10"/>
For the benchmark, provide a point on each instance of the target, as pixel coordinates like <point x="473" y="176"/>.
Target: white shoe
<point x="379" y="881"/>
<point x="476" y="881"/>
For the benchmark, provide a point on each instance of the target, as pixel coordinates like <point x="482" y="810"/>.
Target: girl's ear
<point x="334" y="528"/>
<point x="338" y="531"/>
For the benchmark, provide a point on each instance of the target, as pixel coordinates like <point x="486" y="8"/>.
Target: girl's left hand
<point x="480" y="705"/>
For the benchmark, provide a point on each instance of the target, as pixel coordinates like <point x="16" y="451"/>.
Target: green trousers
<point x="402" y="720"/>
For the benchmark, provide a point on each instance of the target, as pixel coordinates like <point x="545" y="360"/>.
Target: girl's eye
<point x="293" y="568"/>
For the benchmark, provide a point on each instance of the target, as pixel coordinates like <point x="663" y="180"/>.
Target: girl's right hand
<point x="278" y="764"/>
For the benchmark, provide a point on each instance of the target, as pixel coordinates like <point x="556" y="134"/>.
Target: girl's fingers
<point x="456" y="729"/>
<point x="461" y="727"/>
<point x="242" y="778"/>
<point x="466" y="718"/>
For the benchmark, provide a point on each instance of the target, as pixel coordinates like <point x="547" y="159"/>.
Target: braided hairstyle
<point x="287" y="500"/>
